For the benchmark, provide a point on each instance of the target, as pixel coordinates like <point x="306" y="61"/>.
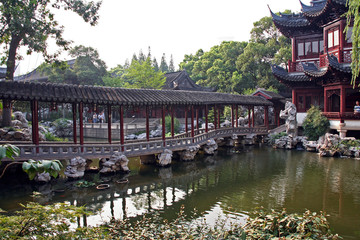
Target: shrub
<point x="168" y="124"/>
<point x="315" y="125"/>
<point x="51" y="137"/>
<point x="273" y="137"/>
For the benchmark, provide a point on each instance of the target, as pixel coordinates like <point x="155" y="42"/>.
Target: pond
<point x="239" y="180"/>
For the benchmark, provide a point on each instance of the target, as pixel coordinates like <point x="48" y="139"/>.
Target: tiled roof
<point x="283" y="75"/>
<point x="314" y="10"/>
<point x="182" y="81"/>
<point x="51" y="92"/>
<point x="311" y="70"/>
<point x="272" y="95"/>
<point x="334" y="64"/>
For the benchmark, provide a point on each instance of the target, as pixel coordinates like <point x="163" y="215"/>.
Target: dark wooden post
<point x="206" y="118"/>
<point x="147" y="123"/>
<point x="249" y="118"/>
<point x="219" y="113"/>
<point x="215" y="117"/>
<point x="81" y="123"/>
<point x="342" y="99"/>
<point x="325" y="100"/>
<point x="109" y="122"/>
<point x="121" y="111"/>
<point x="186" y="119"/>
<point x="74" y="122"/>
<point x="172" y="122"/>
<point x="237" y="116"/>
<point x="192" y="123"/>
<point x="266" y="117"/>
<point x="163" y="124"/>
<point x="7" y="112"/>
<point x="253" y="116"/>
<point x="197" y="118"/>
<point x="35" y="123"/>
<point x="232" y="115"/>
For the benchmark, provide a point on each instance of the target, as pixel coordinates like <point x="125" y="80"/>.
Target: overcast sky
<point x="167" y="26"/>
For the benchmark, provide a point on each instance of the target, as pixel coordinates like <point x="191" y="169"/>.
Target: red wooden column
<point x="81" y="123"/>
<point x="294" y="96"/>
<point x="266" y="117"/>
<point x="342" y="99"/>
<point x="249" y="118"/>
<point x="215" y="117"/>
<point x="197" y="118"/>
<point x="325" y="101"/>
<point x="74" y="122"/>
<point x="172" y="122"/>
<point x="35" y="122"/>
<point x="232" y="115"/>
<point x="186" y="119"/>
<point x="147" y="123"/>
<point x="253" y="116"/>
<point x="237" y="116"/>
<point x="121" y="111"/>
<point x="219" y="112"/>
<point x="163" y="124"/>
<point x="109" y="122"/>
<point x="192" y="122"/>
<point x="206" y="118"/>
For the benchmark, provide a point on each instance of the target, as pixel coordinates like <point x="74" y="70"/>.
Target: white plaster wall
<point x="300" y="118"/>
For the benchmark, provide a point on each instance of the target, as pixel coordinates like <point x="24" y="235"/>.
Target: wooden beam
<point x="186" y="119"/>
<point x="253" y="116"/>
<point x="266" y="117"/>
<point x="249" y="118"/>
<point x="147" y="123"/>
<point x="109" y="122"/>
<point x="74" y="123"/>
<point x="81" y="123"/>
<point x="197" y="118"/>
<point x="192" y="122"/>
<point x="163" y="125"/>
<point x="122" y="139"/>
<point x="206" y="118"/>
<point x="172" y="122"/>
<point x="215" y="117"/>
<point x="35" y="123"/>
<point x="232" y="115"/>
<point x="237" y="116"/>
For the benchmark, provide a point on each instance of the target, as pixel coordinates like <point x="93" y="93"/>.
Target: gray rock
<point x="117" y="162"/>
<point x="75" y="168"/>
<point x="189" y="153"/>
<point x="20" y="117"/>
<point x="165" y="157"/>
<point x="42" y="177"/>
<point x="210" y="147"/>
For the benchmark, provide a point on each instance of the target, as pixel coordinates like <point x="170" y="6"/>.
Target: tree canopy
<point x="88" y="68"/>
<point x="237" y="66"/>
<point x="353" y="15"/>
<point x="31" y="23"/>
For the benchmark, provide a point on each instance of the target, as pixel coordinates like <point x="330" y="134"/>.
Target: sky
<point x="172" y="27"/>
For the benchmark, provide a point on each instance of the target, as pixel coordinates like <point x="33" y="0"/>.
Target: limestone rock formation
<point x="75" y="168"/>
<point x="165" y="157"/>
<point x="19" y="116"/>
<point x="117" y="162"/>
<point x="289" y="113"/>
<point x="42" y="177"/>
<point x="210" y="147"/>
<point x="189" y="153"/>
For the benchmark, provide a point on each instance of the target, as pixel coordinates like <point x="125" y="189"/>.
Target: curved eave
<point x="335" y="65"/>
<point x="315" y="10"/>
<point x="292" y="79"/>
<point x="311" y="70"/>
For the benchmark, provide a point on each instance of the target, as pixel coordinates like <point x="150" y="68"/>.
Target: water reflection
<point x="239" y="180"/>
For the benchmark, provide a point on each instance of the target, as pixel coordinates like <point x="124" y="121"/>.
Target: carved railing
<point x="343" y="116"/>
<point x="68" y="150"/>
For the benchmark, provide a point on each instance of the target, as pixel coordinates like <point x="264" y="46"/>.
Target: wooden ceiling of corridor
<point x="64" y="93"/>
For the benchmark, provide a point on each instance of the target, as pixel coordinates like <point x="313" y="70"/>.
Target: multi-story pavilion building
<point x="319" y="72"/>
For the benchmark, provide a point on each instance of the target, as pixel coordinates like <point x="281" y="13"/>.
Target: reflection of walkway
<point x="131" y="149"/>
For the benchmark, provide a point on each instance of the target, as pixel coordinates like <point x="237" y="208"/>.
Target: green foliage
<point x="315" y="125"/>
<point x="88" y="68"/>
<point x="32" y="23"/>
<point x="276" y="136"/>
<point x="350" y="143"/>
<point x="32" y="167"/>
<point x="84" y="184"/>
<point x="143" y="75"/>
<point x="309" y="225"/>
<point x="353" y="15"/>
<point x="51" y="137"/>
<point x="40" y="222"/>
<point x="168" y="124"/>
<point x="9" y="151"/>
<point x="163" y="65"/>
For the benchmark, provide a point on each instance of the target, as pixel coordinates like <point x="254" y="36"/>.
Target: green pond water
<point x="234" y="182"/>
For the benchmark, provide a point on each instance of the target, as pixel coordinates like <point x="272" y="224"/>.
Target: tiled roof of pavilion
<point x="311" y="71"/>
<point x="51" y="92"/>
<point x="311" y="18"/>
<point x="181" y="81"/>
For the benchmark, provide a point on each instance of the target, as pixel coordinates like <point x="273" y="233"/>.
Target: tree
<point x="143" y="75"/>
<point x="117" y="77"/>
<point x="171" y="65"/>
<point x="88" y="68"/>
<point x="155" y="65"/>
<point x="353" y="15"/>
<point x="315" y="124"/>
<point x="31" y="23"/>
<point x="163" y="65"/>
<point x="141" y="57"/>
